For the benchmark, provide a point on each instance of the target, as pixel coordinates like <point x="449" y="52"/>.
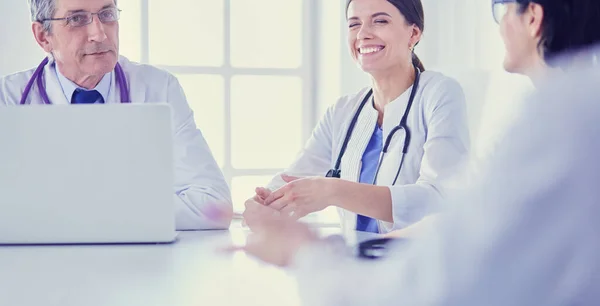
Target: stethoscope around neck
<point x="336" y="171"/>
<point x="37" y="78"/>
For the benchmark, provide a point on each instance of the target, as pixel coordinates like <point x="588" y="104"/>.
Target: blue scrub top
<point x="370" y="161"/>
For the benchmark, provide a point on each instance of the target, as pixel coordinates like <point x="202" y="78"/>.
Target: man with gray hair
<point x="81" y="38"/>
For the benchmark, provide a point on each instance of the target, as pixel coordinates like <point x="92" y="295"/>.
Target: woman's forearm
<point x="368" y="200"/>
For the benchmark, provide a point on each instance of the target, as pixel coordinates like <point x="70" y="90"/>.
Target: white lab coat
<point x="199" y="183"/>
<point x="440" y="140"/>
<point x="525" y="232"/>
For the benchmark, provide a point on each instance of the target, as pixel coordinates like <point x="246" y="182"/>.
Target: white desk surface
<point x="190" y="272"/>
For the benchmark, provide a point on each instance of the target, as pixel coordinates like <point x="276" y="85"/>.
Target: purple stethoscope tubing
<point x="37" y="77"/>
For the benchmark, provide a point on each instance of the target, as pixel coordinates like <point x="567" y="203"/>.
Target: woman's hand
<point x="256" y="211"/>
<point x="302" y="196"/>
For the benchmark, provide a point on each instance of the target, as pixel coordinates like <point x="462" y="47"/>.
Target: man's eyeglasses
<point x="499" y="9"/>
<point x="81" y="19"/>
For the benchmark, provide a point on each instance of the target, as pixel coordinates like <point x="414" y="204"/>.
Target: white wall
<point x="18" y="49"/>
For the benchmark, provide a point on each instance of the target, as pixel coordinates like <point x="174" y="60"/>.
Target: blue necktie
<point x="81" y="96"/>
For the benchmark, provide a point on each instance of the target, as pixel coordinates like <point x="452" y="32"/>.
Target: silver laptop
<point x="86" y="174"/>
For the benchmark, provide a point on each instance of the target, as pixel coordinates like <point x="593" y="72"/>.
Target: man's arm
<point x="202" y="196"/>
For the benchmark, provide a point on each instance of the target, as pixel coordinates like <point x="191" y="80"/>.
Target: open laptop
<point x="86" y="174"/>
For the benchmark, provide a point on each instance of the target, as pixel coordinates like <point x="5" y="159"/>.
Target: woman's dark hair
<point x="567" y="26"/>
<point x="412" y="10"/>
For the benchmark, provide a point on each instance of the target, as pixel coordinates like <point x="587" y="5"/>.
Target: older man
<point x="84" y="66"/>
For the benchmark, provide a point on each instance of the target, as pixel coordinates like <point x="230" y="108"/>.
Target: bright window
<point x="250" y="73"/>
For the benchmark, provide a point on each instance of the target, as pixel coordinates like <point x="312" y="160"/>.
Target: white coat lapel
<point x="113" y="93"/>
<point x="363" y="130"/>
<point x="53" y="88"/>
<point x="390" y="164"/>
<point x="351" y="161"/>
<point x="391" y="161"/>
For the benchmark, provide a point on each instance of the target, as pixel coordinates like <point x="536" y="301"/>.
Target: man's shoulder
<point x="17" y="77"/>
<point x="12" y="86"/>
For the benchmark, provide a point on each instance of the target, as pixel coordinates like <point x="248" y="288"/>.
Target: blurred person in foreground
<point x="535" y="33"/>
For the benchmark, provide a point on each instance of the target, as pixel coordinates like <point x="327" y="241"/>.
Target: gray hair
<point x="42" y="10"/>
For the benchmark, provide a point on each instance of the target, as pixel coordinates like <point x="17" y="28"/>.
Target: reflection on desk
<point x="189" y="272"/>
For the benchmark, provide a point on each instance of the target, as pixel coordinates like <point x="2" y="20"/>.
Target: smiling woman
<point x="390" y="143"/>
<point x="411" y="11"/>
